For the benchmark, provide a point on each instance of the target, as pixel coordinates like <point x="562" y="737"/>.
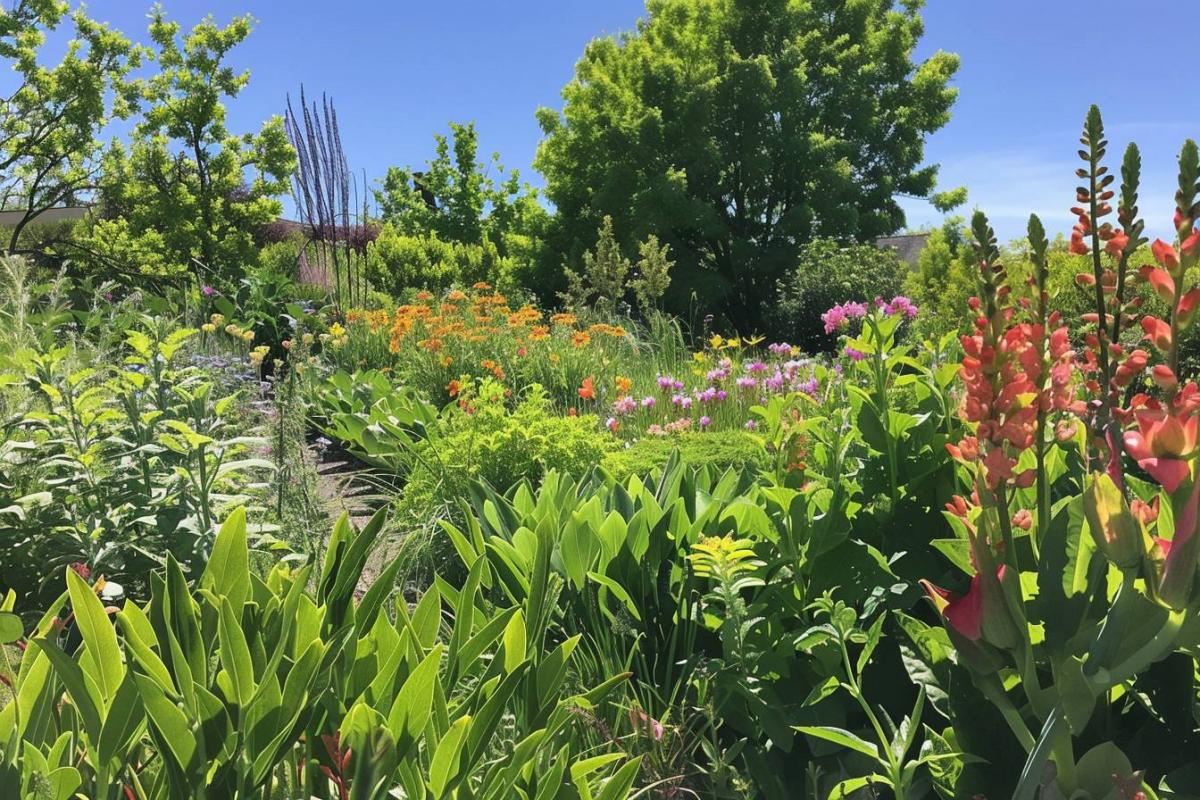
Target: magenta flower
<point x="756" y="366"/>
<point x="648" y="402"/>
<point x="208" y="291"/>
<point x="751" y="425"/>
<point x="705" y="422"/>
<point x="747" y="383"/>
<point x="855" y="355"/>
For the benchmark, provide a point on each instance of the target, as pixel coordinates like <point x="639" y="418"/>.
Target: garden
<point x="658" y="480"/>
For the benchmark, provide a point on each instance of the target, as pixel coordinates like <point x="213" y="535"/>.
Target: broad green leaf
<point x="842" y="738"/>
<point x="228" y="571"/>
<point x="102" y="659"/>
<point x="445" y="764"/>
<point x="410" y="712"/>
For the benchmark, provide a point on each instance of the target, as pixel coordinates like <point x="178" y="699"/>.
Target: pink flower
<point x="855" y="355"/>
<point x="645" y="724"/>
<point x="648" y="402"/>
<point x="705" y="422"/>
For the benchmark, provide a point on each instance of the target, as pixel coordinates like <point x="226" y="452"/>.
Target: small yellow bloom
<point x="336" y="330"/>
<point x="715" y="341"/>
<point x="248" y="337"/>
<point x="755" y="341"/>
<point x="307" y="338"/>
<point x="208" y="327"/>
<point x="700" y="357"/>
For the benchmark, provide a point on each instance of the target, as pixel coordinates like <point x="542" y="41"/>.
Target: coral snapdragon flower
<point x="587" y="390"/>
<point x="1164" y="442"/>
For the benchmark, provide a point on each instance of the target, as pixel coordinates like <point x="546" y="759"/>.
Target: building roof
<point x="66" y="214"/>
<point x="908" y="246"/>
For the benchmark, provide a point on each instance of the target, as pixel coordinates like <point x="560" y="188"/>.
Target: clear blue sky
<point x="399" y="70"/>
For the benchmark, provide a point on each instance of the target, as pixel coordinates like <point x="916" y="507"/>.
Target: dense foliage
<point x="445" y="503"/>
<point x="702" y="128"/>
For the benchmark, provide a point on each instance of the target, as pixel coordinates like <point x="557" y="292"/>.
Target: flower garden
<point x="931" y="535"/>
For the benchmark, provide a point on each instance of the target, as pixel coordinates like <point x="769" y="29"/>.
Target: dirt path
<point x="346" y="485"/>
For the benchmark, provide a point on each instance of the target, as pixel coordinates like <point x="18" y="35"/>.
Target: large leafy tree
<point x="736" y="130"/>
<point x="188" y="188"/>
<point x="50" y="122"/>
<point x="456" y="198"/>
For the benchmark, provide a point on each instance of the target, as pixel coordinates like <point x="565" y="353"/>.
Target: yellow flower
<point x="700" y="357"/>
<point x="208" y="327"/>
<point x="307" y="338"/>
<point x="755" y="341"/>
<point x="216" y="319"/>
<point x="233" y="330"/>
<point x="734" y="342"/>
<point x="336" y="330"/>
<point x="715" y="341"/>
<point x="248" y="337"/>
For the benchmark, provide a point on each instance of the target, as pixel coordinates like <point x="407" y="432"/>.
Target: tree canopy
<point x="736" y="130"/>
<point x="182" y="189"/>
<point x="50" y="122"/>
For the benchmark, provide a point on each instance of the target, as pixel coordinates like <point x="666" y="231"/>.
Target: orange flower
<point x="453" y="387"/>
<point x="482" y="285"/>
<point x="563" y="319"/>
<point x="456" y="296"/>
<point x="588" y="390"/>
<point x="423" y="296"/>
<point x="580" y="339"/>
<point x="539" y="332"/>
<point x="623" y="385"/>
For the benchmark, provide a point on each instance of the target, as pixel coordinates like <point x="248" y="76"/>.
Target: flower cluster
<point x="840" y="316"/>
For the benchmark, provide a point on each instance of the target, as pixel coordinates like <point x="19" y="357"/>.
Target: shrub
<point x="481" y="438"/>
<point x="396" y="261"/>
<point x="718" y="449"/>
<point x="826" y="274"/>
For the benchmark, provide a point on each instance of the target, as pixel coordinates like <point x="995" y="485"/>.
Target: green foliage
<point x="181" y="186"/>
<point x="482" y="438"/>
<point x="397" y="261"/>
<point x="54" y="113"/>
<point x="700" y="128"/>
<point x="455" y="203"/>
<point x="720" y="450"/>
<point x="114" y="468"/>
<point x="283" y="685"/>
<point x="824" y="275"/>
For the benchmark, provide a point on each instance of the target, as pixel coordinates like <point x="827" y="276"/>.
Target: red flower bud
<point x="1165" y="254"/>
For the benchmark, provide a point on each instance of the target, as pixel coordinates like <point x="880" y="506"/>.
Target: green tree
<point x="456" y="199"/>
<point x="736" y="130"/>
<point x="187" y="180"/>
<point x="49" y="123"/>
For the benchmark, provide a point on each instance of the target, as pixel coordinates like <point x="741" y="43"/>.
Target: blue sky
<point x="399" y="70"/>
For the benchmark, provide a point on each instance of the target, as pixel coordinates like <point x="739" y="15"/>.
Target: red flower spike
<point x="1181" y="554"/>
<point x="1164" y="378"/>
<point x="1158" y="332"/>
<point x="1191" y="245"/>
<point x="964" y="613"/>
<point x="1165" y="254"/>
<point x="1161" y="281"/>
<point x="1163" y="444"/>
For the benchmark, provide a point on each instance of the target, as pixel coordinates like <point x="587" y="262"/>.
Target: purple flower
<point x="648" y="402"/>
<point x="705" y="422"/>
<point x="625" y="405"/>
<point x="751" y="425"/>
<point x="208" y="291"/>
<point x="775" y="382"/>
<point x="901" y="305"/>
<point x="685" y="402"/>
<point x="721" y="395"/>
<point x="780" y="348"/>
<point x="840" y="316"/>
<point x="756" y="366"/>
<point x="707" y="396"/>
<point x="809" y="387"/>
<point x="665" y="383"/>
<point x="855" y="355"/>
<point x="747" y="383"/>
<point x="676" y="399"/>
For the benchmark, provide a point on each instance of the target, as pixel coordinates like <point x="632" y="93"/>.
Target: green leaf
<point x="514" y="642"/>
<point x="235" y="654"/>
<point x="227" y="573"/>
<point x="102" y="659"/>
<point x="410" y="712"/>
<point x="11" y="628"/>
<point x="842" y="738"/>
<point x="445" y="765"/>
